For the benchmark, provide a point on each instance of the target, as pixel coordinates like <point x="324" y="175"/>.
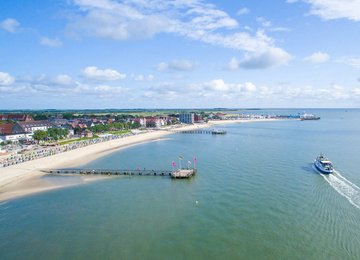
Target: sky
<point x="77" y="54"/>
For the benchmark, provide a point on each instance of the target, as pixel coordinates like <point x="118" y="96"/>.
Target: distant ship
<point x="323" y="164"/>
<point x="306" y="116"/>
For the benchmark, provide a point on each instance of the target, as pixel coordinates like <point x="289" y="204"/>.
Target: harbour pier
<point x="176" y="174"/>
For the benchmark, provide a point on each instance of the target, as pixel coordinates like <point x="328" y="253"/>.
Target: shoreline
<point x="27" y="178"/>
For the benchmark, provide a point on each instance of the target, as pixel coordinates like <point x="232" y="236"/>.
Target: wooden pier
<point x="177" y="174"/>
<point x="203" y="131"/>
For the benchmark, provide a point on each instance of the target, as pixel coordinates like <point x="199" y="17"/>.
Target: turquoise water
<point x="255" y="196"/>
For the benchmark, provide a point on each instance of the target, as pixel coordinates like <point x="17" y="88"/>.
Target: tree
<point x="40" y="116"/>
<point x="68" y="116"/>
<point x="40" y="135"/>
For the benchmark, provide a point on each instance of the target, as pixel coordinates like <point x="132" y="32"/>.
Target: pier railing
<point x="201" y="131"/>
<point x="183" y="173"/>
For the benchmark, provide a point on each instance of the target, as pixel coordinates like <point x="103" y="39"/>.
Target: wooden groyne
<point x="177" y="174"/>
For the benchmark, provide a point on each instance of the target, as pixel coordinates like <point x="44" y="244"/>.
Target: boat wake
<point x="344" y="187"/>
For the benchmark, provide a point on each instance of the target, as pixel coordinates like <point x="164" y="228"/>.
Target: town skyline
<point x="84" y="54"/>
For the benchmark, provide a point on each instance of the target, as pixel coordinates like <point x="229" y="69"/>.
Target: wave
<point x="344" y="187"/>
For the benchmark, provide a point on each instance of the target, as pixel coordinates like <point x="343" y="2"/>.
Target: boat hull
<point x="322" y="170"/>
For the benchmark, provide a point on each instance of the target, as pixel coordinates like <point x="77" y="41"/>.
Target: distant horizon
<point x="159" y="109"/>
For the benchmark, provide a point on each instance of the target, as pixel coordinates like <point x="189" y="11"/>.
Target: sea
<point x="256" y="195"/>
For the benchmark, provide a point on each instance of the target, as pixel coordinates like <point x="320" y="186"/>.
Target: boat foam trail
<point x="344" y="187"/>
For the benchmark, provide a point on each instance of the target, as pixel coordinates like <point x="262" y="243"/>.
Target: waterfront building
<point x="31" y="126"/>
<point x="187" y="118"/>
<point x="154" y="122"/>
<point x="141" y="121"/>
<point x="8" y="132"/>
<point x="198" y="118"/>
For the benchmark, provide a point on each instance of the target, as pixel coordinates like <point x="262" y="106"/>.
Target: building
<point x="154" y="122"/>
<point x="141" y="121"/>
<point x="58" y="121"/>
<point x="16" y="117"/>
<point x="71" y="129"/>
<point x="198" y="118"/>
<point x="30" y="127"/>
<point x="187" y="118"/>
<point x="86" y="133"/>
<point x="8" y="132"/>
<point x="220" y="116"/>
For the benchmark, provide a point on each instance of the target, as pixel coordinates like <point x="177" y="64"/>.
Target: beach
<point x="26" y="178"/>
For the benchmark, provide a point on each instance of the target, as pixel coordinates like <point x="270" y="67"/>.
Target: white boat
<point x="323" y="164"/>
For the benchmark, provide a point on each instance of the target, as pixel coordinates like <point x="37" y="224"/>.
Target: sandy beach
<point x="27" y="178"/>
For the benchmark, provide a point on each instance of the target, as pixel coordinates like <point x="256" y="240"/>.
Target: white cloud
<point x="176" y="65"/>
<point x="243" y="11"/>
<point x="264" y="22"/>
<point x="351" y="61"/>
<point x="6" y="79"/>
<point x="334" y="9"/>
<point x="272" y="57"/>
<point x="142" y="77"/>
<point x="219" y="85"/>
<point x="356" y="92"/>
<point x="192" y="19"/>
<point x="216" y="91"/>
<point x="63" y="79"/>
<point x="220" y="89"/>
<point x="59" y="81"/>
<point x="95" y="73"/>
<point x="109" y="89"/>
<point x="268" y="25"/>
<point x="50" y="42"/>
<point x="233" y="64"/>
<point x="10" y="25"/>
<point x="317" y="57"/>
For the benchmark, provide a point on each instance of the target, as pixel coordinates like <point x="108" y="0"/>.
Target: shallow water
<point x="255" y="196"/>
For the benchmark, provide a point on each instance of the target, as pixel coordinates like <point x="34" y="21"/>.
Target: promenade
<point x="49" y="151"/>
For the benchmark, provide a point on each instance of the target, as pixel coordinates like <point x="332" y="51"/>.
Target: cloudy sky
<point x="179" y="54"/>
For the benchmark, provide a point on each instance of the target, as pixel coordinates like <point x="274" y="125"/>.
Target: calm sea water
<point x="255" y="196"/>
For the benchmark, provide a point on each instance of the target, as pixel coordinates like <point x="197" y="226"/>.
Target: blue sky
<point x="179" y="54"/>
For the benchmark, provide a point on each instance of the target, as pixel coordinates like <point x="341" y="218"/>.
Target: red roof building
<point x="6" y="129"/>
<point x="16" y="117"/>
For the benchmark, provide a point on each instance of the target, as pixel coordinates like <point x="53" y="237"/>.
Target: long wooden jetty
<point x="177" y="174"/>
<point x="202" y="131"/>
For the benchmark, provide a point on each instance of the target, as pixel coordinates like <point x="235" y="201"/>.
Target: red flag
<point x="173" y="164"/>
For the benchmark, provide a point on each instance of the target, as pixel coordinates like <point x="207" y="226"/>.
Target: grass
<point x="118" y="132"/>
<point x="76" y="140"/>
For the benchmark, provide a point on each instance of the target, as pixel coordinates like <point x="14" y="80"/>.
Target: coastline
<point x="26" y="178"/>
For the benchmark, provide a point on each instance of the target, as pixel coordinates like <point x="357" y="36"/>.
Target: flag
<point x="195" y="160"/>
<point x="189" y="162"/>
<point x="173" y="164"/>
<point x="180" y="157"/>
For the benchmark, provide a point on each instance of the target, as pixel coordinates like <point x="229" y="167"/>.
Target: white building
<point x="9" y="132"/>
<point x="30" y="127"/>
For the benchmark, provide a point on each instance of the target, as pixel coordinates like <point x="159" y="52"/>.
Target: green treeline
<point x="51" y="133"/>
